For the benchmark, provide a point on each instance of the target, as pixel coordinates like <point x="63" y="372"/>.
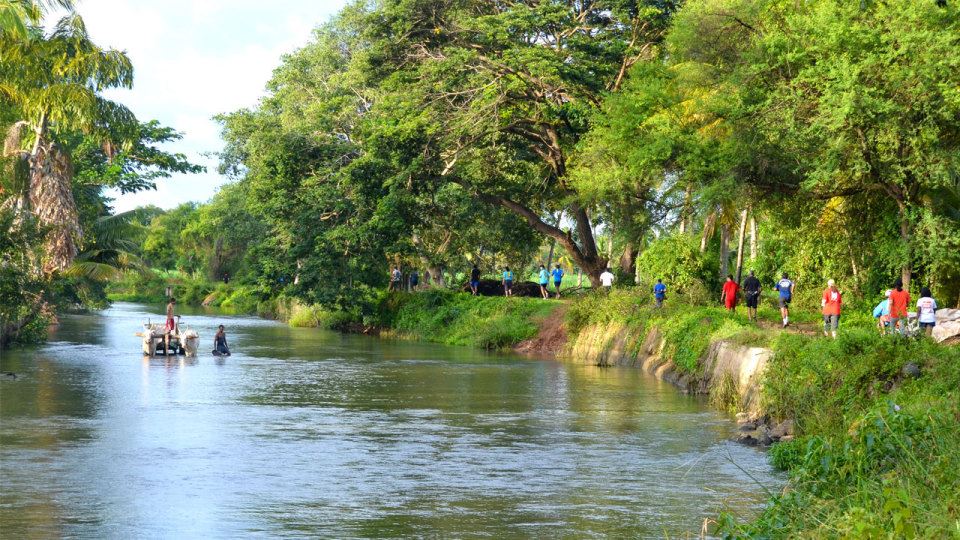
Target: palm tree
<point x="111" y="250"/>
<point x="17" y="16"/>
<point x="55" y="81"/>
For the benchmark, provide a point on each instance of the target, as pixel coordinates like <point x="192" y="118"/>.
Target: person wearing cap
<point x="831" y="309"/>
<point x="882" y="313"/>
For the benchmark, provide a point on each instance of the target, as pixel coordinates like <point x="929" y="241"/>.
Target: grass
<point x="877" y="454"/>
<point x="456" y="318"/>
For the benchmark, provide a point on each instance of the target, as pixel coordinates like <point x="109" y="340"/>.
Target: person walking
<point x="395" y="278"/>
<point x="659" y="293"/>
<point x="507" y="281"/>
<point x="830" y="303"/>
<point x="882" y="313"/>
<point x="606" y="280"/>
<point x="557" y="278"/>
<point x="544" y="280"/>
<point x="785" y="287"/>
<point x="414" y="279"/>
<point x="752" y="289"/>
<point x="474" y="280"/>
<point x="729" y="294"/>
<point x="899" y="300"/>
<point x="927" y="311"/>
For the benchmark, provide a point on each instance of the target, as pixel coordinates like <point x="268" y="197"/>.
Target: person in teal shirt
<point x="557" y="278"/>
<point x="507" y="281"/>
<point x="544" y="280"/>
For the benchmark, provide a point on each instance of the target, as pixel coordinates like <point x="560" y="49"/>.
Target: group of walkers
<point x="892" y="313"/>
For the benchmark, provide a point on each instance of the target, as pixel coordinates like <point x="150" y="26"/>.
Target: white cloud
<point x="194" y="59"/>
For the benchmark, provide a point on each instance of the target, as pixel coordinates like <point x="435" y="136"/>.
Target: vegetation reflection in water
<point x="309" y="432"/>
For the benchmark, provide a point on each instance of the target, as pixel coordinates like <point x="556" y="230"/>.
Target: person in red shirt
<point x="899" y="300"/>
<point x="831" y="309"/>
<point x="729" y="294"/>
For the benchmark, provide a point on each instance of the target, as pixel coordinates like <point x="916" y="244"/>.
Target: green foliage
<point x="678" y="261"/>
<point x="462" y="319"/>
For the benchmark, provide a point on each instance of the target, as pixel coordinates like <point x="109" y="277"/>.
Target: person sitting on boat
<point x="170" y="327"/>
<point x="220" y="343"/>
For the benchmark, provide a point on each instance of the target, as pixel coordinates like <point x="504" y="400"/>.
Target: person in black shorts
<point x="474" y="280"/>
<point x="752" y="288"/>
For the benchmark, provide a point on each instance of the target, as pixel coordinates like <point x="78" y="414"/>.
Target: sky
<point x="194" y="59"/>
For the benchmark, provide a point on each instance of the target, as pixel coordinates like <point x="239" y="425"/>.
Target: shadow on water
<point x="305" y="432"/>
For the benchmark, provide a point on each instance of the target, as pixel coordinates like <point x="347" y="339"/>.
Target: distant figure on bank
<point x="414" y="279"/>
<point x="729" y="295"/>
<point x="557" y="278"/>
<point x="474" y="280"/>
<point x="544" y="280"/>
<point x="507" y="281"/>
<point x="927" y="311"/>
<point x="899" y="300"/>
<point x="220" y="343"/>
<point x="606" y="280"/>
<point x="785" y="287"/>
<point x="171" y="325"/>
<point x="659" y="293"/>
<point x="882" y="313"/>
<point x="752" y="289"/>
<point x="830" y="303"/>
<point x="395" y="278"/>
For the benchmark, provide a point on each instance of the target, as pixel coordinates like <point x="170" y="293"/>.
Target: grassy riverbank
<point x="877" y="451"/>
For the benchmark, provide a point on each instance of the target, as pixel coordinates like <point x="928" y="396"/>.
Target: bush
<point x="677" y="260"/>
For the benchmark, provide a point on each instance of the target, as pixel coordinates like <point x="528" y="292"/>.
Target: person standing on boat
<point x="171" y="325"/>
<point x="220" y="343"/>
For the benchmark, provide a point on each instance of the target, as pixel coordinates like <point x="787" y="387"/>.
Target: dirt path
<point x="807" y="329"/>
<point x="550" y="339"/>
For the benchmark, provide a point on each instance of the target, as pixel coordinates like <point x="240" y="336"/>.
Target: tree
<point x="55" y="82"/>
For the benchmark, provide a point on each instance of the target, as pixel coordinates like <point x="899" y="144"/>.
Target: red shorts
<point x="730" y="302"/>
<point x="170" y="325"/>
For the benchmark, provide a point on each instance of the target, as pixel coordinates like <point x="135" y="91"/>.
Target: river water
<point x="311" y="433"/>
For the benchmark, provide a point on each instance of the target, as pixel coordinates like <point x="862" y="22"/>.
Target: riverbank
<point x="869" y="423"/>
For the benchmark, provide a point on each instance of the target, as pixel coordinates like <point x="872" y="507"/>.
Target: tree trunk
<point x="724" y="250"/>
<point x="743" y="234"/>
<point x="753" y="238"/>
<point x="553" y="241"/>
<point x="436" y="276"/>
<point x="627" y="259"/>
<point x="907" y="269"/>
<point x="687" y="208"/>
<point x="707" y="232"/>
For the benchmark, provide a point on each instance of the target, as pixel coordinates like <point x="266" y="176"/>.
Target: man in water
<point x="606" y="279"/>
<point x="474" y="279"/>
<point x="751" y="287"/>
<point x="729" y="295"/>
<point x="220" y="343"/>
<point x="544" y="279"/>
<point x="171" y="325"/>
<point x="557" y="278"/>
<point x="659" y="293"/>
<point x="785" y="287"/>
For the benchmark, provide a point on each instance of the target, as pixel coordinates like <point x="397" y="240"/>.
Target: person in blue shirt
<point x="544" y="280"/>
<point x="507" y="281"/>
<point x="882" y="314"/>
<point x="785" y="287"/>
<point x="659" y="293"/>
<point x="557" y="278"/>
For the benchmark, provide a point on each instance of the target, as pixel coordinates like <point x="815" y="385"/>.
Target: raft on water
<point x="182" y="341"/>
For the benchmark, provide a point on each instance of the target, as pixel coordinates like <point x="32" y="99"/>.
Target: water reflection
<point x="303" y="432"/>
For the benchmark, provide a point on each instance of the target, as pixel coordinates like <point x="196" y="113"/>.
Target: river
<point x="305" y="432"/>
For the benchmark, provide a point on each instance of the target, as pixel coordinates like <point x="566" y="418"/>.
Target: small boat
<point x="184" y="341"/>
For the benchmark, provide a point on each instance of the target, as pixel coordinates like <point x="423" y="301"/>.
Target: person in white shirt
<point x="926" y="311"/>
<point x="606" y="279"/>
